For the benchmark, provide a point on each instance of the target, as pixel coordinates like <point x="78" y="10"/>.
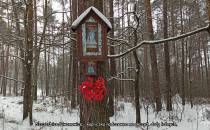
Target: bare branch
<point x="122" y="41"/>
<point x="2" y="76"/>
<point x="206" y="28"/>
<point x="22" y="59"/>
<point x="120" y="79"/>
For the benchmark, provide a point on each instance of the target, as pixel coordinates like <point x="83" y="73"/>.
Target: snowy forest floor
<point x="197" y="118"/>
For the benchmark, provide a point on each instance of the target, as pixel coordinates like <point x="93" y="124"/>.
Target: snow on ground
<point x="43" y="111"/>
<point x="197" y="118"/>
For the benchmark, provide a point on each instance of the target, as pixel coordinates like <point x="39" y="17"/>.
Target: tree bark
<point x="27" y="98"/>
<point x="4" y="73"/>
<point x="17" y="29"/>
<point x="69" y="83"/>
<point x="206" y="67"/>
<point x="137" y="76"/>
<point x="112" y="62"/>
<point x="167" y="58"/>
<point x="208" y="8"/>
<point x="75" y="63"/>
<point x="153" y="55"/>
<point x="38" y="48"/>
<point x="36" y="61"/>
<point x="183" y="58"/>
<point x="46" y="70"/>
<point x="190" y="75"/>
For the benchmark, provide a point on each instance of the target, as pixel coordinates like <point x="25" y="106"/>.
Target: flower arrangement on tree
<point x="93" y="91"/>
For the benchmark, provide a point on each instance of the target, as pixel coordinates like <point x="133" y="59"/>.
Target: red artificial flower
<point x="89" y="78"/>
<point x="93" y="91"/>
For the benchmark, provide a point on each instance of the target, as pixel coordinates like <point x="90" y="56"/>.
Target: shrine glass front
<point x="91" y="38"/>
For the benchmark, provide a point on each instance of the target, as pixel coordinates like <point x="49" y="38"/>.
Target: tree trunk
<point x="36" y="60"/>
<point x="75" y="63"/>
<point x="46" y="70"/>
<point x="190" y="75"/>
<point x="96" y="3"/>
<point x="27" y="98"/>
<point x="1" y="66"/>
<point x="63" y="51"/>
<point x="167" y="58"/>
<point x="6" y="67"/>
<point x="183" y="54"/>
<point x="206" y="67"/>
<point x="38" y="47"/>
<point x="208" y="8"/>
<point x="175" y="75"/>
<point x="69" y="83"/>
<point x="153" y="55"/>
<point x="137" y="76"/>
<point x="95" y="112"/>
<point x="4" y="73"/>
<point x="17" y="29"/>
<point x="112" y="62"/>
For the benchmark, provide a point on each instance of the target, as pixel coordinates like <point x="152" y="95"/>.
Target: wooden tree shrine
<point x="91" y="28"/>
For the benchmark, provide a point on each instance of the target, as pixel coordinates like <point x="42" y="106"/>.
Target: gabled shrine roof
<point x="76" y="23"/>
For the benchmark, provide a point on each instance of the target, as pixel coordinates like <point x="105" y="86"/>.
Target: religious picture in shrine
<point x="91" y="68"/>
<point x="92" y="38"/>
